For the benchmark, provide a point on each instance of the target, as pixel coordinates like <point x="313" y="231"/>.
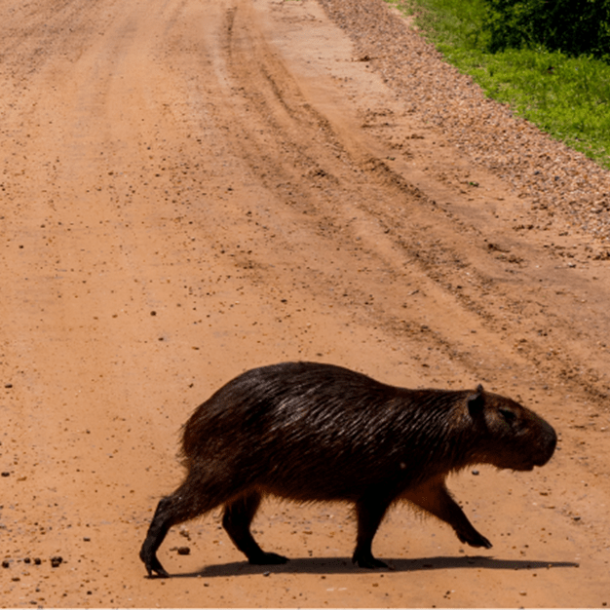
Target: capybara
<point x="318" y="432"/>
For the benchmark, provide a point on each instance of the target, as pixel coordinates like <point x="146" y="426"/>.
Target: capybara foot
<point x="153" y="565"/>
<point x="476" y="540"/>
<point x="366" y="560"/>
<point x="266" y="559"/>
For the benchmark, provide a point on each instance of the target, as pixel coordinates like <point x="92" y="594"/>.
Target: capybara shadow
<point x="318" y="432"/>
<point x="343" y="565"/>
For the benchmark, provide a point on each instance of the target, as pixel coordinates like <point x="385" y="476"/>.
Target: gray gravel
<point x="563" y="185"/>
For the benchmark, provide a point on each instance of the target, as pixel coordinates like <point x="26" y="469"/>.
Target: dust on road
<point x="191" y="189"/>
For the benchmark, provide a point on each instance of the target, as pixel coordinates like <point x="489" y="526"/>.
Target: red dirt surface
<point x="193" y="188"/>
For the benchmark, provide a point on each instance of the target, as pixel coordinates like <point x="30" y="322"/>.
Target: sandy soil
<point x="193" y="188"/>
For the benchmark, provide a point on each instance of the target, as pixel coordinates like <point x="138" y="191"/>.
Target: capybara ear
<point x="476" y="402"/>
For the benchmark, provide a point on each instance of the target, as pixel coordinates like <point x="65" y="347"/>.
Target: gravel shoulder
<point x="563" y="187"/>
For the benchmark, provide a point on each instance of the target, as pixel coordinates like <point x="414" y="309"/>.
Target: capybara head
<point x="512" y="436"/>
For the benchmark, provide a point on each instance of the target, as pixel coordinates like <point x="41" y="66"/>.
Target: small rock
<point x="56" y="561"/>
<point x="185" y="533"/>
<point x="183" y="550"/>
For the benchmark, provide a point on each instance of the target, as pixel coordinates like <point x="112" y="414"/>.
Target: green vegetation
<point x="566" y="96"/>
<point x="575" y="27"/>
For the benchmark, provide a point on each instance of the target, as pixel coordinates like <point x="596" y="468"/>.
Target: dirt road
<point x="193" y="188"/>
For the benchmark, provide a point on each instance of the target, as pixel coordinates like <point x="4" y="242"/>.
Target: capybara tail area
<point x="190" y="442"/>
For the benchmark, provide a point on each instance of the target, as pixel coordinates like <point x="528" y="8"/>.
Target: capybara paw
<point x="154" y="567"/>
<point x="367" y="561"/>
<point x="265" y="559"/>
<point x="476" y="540"/>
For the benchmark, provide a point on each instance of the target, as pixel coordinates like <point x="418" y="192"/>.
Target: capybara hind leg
<point x="370" y="512"/>
<point x="162" y="521"/>
<point x="237" y="518"/>
<point x="434" y="498"/>
<point x="172" y="510"/>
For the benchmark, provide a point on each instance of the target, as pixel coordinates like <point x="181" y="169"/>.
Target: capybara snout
<point x="317" y="432"/>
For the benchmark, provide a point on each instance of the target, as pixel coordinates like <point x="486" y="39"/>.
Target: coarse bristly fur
<point x="318" y="432"/>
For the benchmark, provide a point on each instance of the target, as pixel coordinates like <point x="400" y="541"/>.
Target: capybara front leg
<point x="237" y="518"/>
<point x="434" y="498"/>
<point x="370" y="512"/>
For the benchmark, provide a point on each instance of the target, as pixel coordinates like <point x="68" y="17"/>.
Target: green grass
<point x="569" y="98"/>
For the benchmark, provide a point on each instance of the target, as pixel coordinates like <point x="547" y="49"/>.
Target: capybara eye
<point x="509" y="416"/>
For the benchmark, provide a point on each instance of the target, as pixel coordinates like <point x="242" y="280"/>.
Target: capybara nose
<point x="549" y="449"/>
